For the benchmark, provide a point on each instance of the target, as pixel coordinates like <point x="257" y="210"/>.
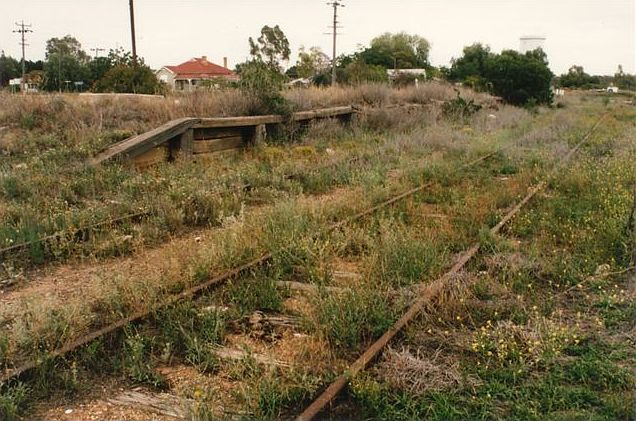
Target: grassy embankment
<point x="45" y="188"/>
<point x="396" y="248"/>
<point x="391" y="159"/>
<point x="543" y="326"/>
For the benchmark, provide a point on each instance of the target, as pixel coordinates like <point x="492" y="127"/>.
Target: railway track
<point x="215" y="281"/>
<point x="428" y="292"/>
<point x="83" y="233"/>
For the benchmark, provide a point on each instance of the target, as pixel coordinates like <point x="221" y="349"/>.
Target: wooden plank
<point x="139" y="144"/>
<point x="240" y="355"/>
<point x="151" y="157"/>
<point x="273" y="119"/>
<point x="322" y="113"/>
<point x="159" y="403"/>
<point x="215" y="145"/>
<point x="239" y="121"/>
<point x="217" y="132"/>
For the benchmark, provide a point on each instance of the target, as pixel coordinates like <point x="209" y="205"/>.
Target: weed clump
<point x="191" y="333"/>
<point x="350" y="319"/>
<point x="258" y="292"/>
<point x="400" y="259"/>
<point x="137" y="364"/>
<point x="13" y="400"/>
<point x="460" y="108"/>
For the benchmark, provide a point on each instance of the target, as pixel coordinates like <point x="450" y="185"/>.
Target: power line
<point x="23" y="29"/>
<point x="335" y="4"/>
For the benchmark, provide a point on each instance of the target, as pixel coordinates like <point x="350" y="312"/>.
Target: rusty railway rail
<point x="427" y="293"/>
<point x="81" y="233"/>
<point x="10" y="373"/>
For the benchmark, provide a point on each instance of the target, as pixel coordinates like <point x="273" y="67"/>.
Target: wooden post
<point x="347" y="119"/>
<point x="260" y="133"/>
<point x="186" y="142"/>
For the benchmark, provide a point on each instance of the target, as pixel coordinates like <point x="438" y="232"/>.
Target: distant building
<point x="32" y="82"/>
<point x="194" y="72"/>
<point x="417" y="74"/>
<point x="530" y="43"/>
<point x="299" y="83"/>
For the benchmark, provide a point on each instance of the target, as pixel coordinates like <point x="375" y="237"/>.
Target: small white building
<point x="395" y="73"/>
<point x="417" y="75"/>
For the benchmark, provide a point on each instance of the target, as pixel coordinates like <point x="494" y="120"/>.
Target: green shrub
<point x="13" y="401"/>
<point x="400" y="259"/>
<point x="190" y="333"/>
<point x="137" y="363"/>
<point x="351" y="318"/>
<point x="264" y="84"/>
<point x="135" y="78"/>
<point x="257" y="293"/>
<point x="459" y="108"/>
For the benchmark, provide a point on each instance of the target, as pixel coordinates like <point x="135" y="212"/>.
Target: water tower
<point x="530" y="43"/>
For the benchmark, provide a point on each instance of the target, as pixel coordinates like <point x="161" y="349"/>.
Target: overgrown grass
<point x="543" y="327"/>
<point x="401" y="246"/>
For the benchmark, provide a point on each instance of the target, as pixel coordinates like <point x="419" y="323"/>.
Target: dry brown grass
<point x="418" y="374"/>
<point x="70" y="111"/>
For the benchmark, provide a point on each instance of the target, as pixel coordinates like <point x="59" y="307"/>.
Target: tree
<point x="470" y="68"/>
<point x="520" y="78"/>
<point x="123" y="78"/>
<point x="31" y="66"/>
<point x="120" y="56"/>
<point x="68" y="46"/>
<point x="65" y="61"/>
<point x="311" y="62"/>
<point x="292" y="72"/>
<point x="577" y="78"/>
<point x="60" y="68"/>
<point x="517" y="78"/>
<point x="98" y="67"/>
<point x="271" y="47"/>
<point x="264" y="85"/>
<point x="401" y="50"/>
<point x="9" y="69"/>
<point x="624" y="80"/>
<point x="262" y="78"/>
<point x="359" y="71"/>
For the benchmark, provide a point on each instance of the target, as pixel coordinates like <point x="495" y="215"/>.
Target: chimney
<point x="225" y="62"/>
<point x="204" y="58"/>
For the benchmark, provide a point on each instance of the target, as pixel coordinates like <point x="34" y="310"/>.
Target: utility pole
<point x="132" y="31"/>
<point x="23" y="29"/>
<point x="97" y="50"/>
<point x="335" y="4"/>
<point x="59" y="71"/>
<point x="1" y="66"/>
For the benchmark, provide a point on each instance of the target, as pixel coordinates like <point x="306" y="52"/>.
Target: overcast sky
<point x="597" y="34"/>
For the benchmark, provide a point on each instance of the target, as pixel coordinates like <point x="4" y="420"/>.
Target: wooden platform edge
<point x="142" y="143"/>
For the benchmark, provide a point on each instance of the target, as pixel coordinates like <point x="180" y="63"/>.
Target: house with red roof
<point x="194" y="72"/>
